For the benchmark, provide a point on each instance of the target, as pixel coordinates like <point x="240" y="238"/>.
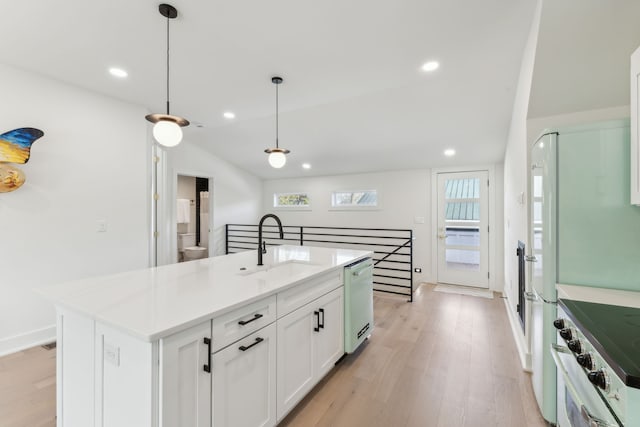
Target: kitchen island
<point x="195" y="343"/>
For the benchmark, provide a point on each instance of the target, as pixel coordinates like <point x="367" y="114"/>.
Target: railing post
<point x="411" y="266"/>
<point x="301" y="236"/>
<point x="226" y="239"/>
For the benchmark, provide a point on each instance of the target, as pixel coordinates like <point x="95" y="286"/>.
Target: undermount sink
<point x="282" y="269"/>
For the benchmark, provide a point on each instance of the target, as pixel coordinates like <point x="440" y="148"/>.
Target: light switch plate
<point x="418" y="220"/>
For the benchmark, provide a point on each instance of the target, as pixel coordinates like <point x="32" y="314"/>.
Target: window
<point x="291" y="200"/>
<point x="354" y="199"/>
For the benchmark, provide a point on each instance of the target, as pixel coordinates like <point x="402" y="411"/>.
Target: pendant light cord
<point x="277" y="115"/>
<point x="168" y="111"/>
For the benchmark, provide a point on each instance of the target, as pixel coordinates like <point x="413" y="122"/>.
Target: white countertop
<point x="155" y="302"/>
<point x="599" y="295"/>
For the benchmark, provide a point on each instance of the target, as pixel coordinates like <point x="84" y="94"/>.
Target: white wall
<point x="537" y="125"/>
<point x="236" y="195"/>
<point x="403" y="196"/>
<point x="515" y="182"/>
<point x="90" y="165"/>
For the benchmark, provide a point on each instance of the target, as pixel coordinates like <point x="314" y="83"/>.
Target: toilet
<point x="187" y="248"/>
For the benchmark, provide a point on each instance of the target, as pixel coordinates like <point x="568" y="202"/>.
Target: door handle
<point x="530" y="296"/>
<point x="317" y="327"/>
<point x="531" y="258"/>
<point x="321" y="325"/>
<point x="442" y="236"/>
<point x="207" y="367"/>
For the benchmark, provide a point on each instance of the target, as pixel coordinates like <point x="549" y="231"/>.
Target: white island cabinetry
<point x="185" y="385"/>
<point x="310" y="342"/>
<point x="214" y="342"/>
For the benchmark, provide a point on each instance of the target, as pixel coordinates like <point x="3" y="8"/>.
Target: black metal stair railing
<point x="392" y="248"/>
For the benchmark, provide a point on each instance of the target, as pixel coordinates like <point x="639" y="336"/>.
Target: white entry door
<point x="463" y="228"/>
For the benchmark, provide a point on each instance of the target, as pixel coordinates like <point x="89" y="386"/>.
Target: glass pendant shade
<point x="277" y="156"/>
<point x="277" y="159"/>
<point x="167" y="127"/>
<point x="167" y="133"/>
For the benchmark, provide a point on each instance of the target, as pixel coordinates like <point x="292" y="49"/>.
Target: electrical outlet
<point x="102" y="226"/>
<point x="418" y="220"/>
<point x="417" y="270"/>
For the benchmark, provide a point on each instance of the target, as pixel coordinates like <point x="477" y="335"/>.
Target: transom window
<point x="291" y="200"/>
<point x="349" y="199"/>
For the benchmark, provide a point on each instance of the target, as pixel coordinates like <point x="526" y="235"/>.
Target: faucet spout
<point x="260" y="242"/>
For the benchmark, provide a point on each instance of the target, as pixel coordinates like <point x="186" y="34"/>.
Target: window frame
<point x="352" y="207"/>
<point x="276" y="196"/>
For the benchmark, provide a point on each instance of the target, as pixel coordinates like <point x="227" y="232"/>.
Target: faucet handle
<point x="264" y="247"/>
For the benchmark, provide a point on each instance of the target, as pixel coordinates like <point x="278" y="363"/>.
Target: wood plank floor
<point x="445" y="360"/>
<point x="28" y="388"/>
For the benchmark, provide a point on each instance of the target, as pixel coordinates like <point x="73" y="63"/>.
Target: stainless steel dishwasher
<point x="358" y="303"/>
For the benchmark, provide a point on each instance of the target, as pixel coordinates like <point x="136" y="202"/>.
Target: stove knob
<point x="575" y="346"/>
<point x="559" y="323"/>
<point x="586" y="361"/>
<point x="566" y="333"/>
<point x="599" y="378"/>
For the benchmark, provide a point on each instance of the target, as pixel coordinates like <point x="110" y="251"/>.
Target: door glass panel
<point x="463" y="228"/>
<point x="462" y="259"/>
<point x="465" y="236"/>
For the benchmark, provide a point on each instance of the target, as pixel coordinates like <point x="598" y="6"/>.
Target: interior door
<point x="463" y="228"/>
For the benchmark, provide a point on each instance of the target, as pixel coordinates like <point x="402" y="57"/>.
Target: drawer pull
<point x="255" y="317"/>
<point x="245" y="348"/>
<point x="321" y="325"/>
<point x="207" y="367"/>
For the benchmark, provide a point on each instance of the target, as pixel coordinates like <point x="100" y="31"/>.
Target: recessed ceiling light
<point x="229" y="115"/>
<point x="306" y="166"/>
<point x="118" y="72"/>
<point x="430" y="66"/>
<point x="450" y="152"/>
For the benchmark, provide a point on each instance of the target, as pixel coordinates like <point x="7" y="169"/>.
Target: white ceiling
<point x="582" y="57"/>
<point x="353" y="98"/>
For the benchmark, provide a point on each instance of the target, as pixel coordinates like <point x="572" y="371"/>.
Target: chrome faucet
<point x="262" y="246"/>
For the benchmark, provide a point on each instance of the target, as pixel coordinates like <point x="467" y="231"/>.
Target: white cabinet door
<point x="310" y="341"/>
<point x="295" y="357"/>
<point x="244" y="385"/>
<point x="635" y="122"/>
<point x="185" y="386"/>
<point x="330" y="340"/>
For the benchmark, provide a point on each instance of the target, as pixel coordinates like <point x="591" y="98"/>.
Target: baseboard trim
<point x="30" y="339"/>
<point x="518" y="337"/>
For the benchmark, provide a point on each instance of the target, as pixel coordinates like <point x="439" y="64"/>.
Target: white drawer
<point x="241" y="322"/>
<point x="296" y="297"/>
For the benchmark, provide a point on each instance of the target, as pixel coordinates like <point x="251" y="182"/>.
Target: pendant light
<point x="277" y="156"/>
<point x="167" y="129"/>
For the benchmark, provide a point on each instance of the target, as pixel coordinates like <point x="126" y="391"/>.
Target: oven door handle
<point x="593" y="421"/>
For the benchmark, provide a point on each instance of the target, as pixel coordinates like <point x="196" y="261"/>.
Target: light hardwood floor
<point x="28" y="388"/>
<point x="445" y="360"/>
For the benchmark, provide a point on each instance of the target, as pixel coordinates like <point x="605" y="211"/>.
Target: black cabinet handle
<point x="257" y="341"/>
<point x="255" y="317"/>
<point x="321" y="325"/>
<point x="207" y="367"/>
<point x="317" y="314"/>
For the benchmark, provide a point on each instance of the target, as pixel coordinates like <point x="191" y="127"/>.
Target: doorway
<point x="463" y="228"/>
<point x="192" y="218"/>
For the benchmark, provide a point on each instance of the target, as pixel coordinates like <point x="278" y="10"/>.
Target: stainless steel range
<point x="598" y="362"/>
